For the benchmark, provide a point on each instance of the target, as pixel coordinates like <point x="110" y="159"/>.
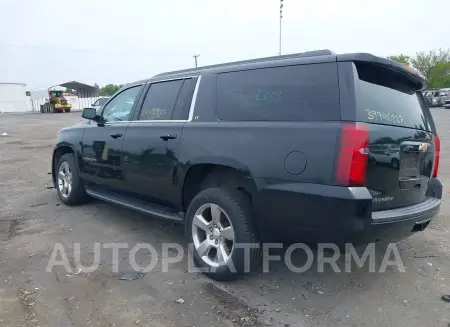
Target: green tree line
<point x="109" y="89"/>
<point x="434" y="65"/>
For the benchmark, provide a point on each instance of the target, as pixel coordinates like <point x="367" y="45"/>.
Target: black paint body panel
<point x="290" y="204"/>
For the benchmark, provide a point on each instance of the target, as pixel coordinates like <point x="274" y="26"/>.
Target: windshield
<point x="383" y="97"/>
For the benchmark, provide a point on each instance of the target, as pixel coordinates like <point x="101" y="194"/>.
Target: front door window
<point x="119" y="108"/>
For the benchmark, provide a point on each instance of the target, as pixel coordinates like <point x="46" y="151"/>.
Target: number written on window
<point x="384" y="116"/>
<point x="291" y="93"/>
<point x="160" y="100"/>
<point x="258" y="94"/>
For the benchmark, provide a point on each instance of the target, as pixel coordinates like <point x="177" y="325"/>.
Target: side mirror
<point x="89" y="113"/>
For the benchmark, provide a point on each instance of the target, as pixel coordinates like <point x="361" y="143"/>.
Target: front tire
<point x="219" y="227"/>
<point x="68" y="183"/>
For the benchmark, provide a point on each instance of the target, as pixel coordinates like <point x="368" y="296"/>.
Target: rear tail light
<point x="437" y="154"/>
<point x="353" y="155"/>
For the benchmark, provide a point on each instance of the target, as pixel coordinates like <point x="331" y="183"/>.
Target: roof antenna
<point x="195" y="56"/>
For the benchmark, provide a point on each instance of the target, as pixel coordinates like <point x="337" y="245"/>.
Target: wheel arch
<point x="58" y="152"/>
<point x="199" y="170"/>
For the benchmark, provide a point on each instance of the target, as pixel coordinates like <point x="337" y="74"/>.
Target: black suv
<point x="272" y="149"/>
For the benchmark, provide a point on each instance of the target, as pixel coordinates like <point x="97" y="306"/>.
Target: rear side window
<point x="160" y="100"/>
<point x="292" y="93"/>
<point x="385" y="97"/>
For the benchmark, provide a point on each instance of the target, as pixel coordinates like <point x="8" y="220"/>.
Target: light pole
<point x="281" y="17"/>
<point x="195" y="59"/>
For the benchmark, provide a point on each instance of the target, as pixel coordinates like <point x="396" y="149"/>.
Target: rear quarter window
<point x="291" y="93"/>
<point x="387" y="98"/>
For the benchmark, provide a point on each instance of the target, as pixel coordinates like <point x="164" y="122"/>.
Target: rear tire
<point x="225" y="217"/>
<point x="68" y="182"/>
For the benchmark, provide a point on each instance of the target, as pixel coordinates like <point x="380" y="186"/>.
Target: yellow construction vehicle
<point x="56" y="102"/>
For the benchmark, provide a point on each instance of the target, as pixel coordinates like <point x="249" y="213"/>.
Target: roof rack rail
<point x="314" y="53"/>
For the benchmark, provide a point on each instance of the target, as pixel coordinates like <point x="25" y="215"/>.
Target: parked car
<point x="385" y="154"/>
<point x="99" y="103"/>
<point x="437" y="98"/>
<point x="271" y="149"/>
<point x="427" y="95"/>
<point x="447" y="104"/>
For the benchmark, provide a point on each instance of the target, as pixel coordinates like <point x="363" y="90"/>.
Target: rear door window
<point x="290" y="93"/>
<point x="384" y="97"/>
<point x="160" y="100"/>
<point x="183" y="105"/>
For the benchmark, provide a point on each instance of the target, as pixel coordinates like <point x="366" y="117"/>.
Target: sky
<point x="47" y="42"/>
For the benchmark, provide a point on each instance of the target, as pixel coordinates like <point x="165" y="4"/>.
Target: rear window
<point x="385" y="97"/>
<point x="292" y="93"/>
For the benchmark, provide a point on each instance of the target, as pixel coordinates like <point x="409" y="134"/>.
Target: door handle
<point x="115" y="135"/>
<point x="168" y="137"/>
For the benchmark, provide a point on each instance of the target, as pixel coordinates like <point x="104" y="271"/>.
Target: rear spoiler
<point x="406" y="71"/>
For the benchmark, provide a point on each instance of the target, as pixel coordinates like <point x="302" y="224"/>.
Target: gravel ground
<point x="33" y="220"/>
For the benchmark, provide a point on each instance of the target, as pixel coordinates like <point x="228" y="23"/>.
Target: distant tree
<point x="434" y="65"/>
<point x="109" y="89"/>
<point x="28" y="93"/>
<point x="69" y="91"/>
<point x="401" y="58"/>
<point x="439" y="75"/>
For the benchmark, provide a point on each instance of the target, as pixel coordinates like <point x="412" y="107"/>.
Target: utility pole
<point x="195" y="58"/>
<point x="281" y="17"/>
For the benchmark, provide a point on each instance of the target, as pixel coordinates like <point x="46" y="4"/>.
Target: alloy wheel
<point x="65" y="179"/>
<point x="213" y="235"/>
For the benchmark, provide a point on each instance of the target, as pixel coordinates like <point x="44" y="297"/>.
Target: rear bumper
<point x="297" y="212"/>
<point x="397" y="224"/>
<point x="420" y="211"/>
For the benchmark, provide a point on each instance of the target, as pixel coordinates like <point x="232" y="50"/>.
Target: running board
<point x="135" y="204"/>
